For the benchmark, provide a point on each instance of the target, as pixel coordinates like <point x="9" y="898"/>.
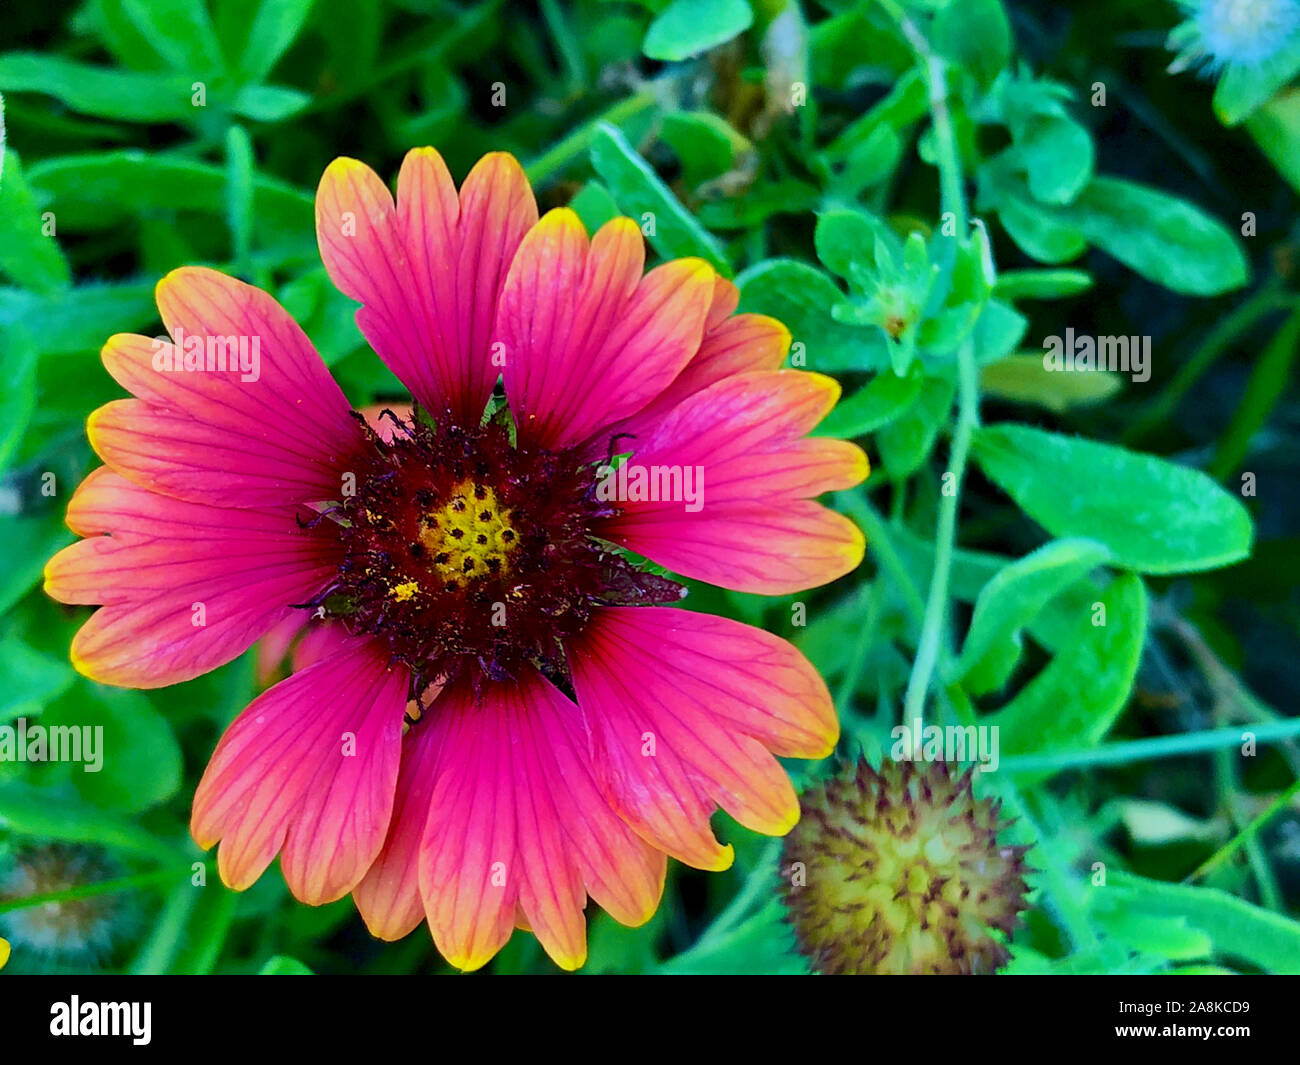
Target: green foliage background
<point x="798" y="148"/>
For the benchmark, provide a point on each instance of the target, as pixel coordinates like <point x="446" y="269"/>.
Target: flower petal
<point x="186" y="587"/>
<point x="281" y="436"/>
<point x="516" y="758"/>
<point x="745" y="435"/>
<point x="664" y="755"/>
<point x="428" y="268"/>
<point x="311" y="767"/>
<point x="587" y="340"/>
<point x="742" y="678"/>
<point x="744" y="343"/>
<point x="645" y="777"/>
<point x="467" y="870"/>
<point x="389" y="897"/>
<point x="273" y="647"/>
<point x="768" y="548"/>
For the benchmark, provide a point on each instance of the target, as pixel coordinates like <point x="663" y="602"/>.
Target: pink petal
<point x="587" y="340"/>
<point x="427" y="269"/>
<point x="743" y="678"/>
<point x="322" y="639"/>
<point x="273" y="648"/>
<point x="768" y="548"/>
<point x="676" y="724"/>
<point x="468" y="874"/>
<point x="745" y="343"/>
<point x="311" y="767"/>
<point x="389" y="897"/>
<point x="518" y="832"/>
<point x="210" y="436"/>
<point x="746" y="437"/>
<point x="186" y="587"/>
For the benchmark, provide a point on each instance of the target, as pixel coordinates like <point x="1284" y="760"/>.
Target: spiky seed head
<point x="900" y="871"/>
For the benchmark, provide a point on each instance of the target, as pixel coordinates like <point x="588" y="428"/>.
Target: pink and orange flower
<point x="495" y="712"/>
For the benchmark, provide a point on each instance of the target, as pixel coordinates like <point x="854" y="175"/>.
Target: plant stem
<point x="545" y="166"/>
<point x="1266" y="301"/>
<point x="953" y="197"/>
<point x="1246" y="835"/>
<point x="101" y="887"/>
<point x="1129" y="751"/>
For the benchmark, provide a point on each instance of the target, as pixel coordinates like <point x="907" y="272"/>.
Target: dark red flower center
<point x="470" y="555"/>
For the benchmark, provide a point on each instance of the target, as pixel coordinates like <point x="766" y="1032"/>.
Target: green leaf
<point x="28" y="256"/>
<point x="273" y="29"/>
<point x="47" y="814"/>
<point x="1245" y="86"/>
<point x="1012" y="599"/>
<point x="868" y="164"/>
<point x="94" y="191"/>
<point x="704" y="142"/>
<point x="905" y="103"/>
<point x="1041" y="232"/>
<point x="1041" y="284"/>
<point x="1268" y="382"/>
<point x="1163" y="238"/>
<point x="998" y="331"/>
<point x="29" y="541"/>
<point x="639" y="192"/>
<point x="1153" y="824"/>
<point x="1024" y="379"/>
<point x="1147" y="933"/>
<point x="1276" y="129"/>
<point x="1075" y="699"/>
<point x="240" y="168"/>
<point x="122" y="95"/>
<point x="845" y="238"/>
<point x="975" y="35"/>
<point x="689" y="27"/>
<point x="18" y="360"/>
<point x="269" y="103"/>
<point x="1058" y="157"/>
<point x="801" y="296"/>
<point x="1238" y="930"/>
<point x="31" y="679"/>
<point x="759" y="203"/>
<point x="594" y="205"/>
<point x="885" y="398"/>
<point x="762" y="943"/>
<point x="1155" y="516"/>
<point x="77" y="320"/>
<point x="181" y="32"/>
<point x="906" y="442"/>
<point x="141" y="758"/>
<point x="283" y="965"/>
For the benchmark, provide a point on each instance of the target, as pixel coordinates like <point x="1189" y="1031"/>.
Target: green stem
<point x="1266" y="301"/>
<point x="862" y="647"/>
<point x="549" y="163"/>
<point x="1144" y="750"/>
<point x="881" y="543"/>
<point x="954" y="203"/>
<point x="757" y="884"/>
<point x="102" y="887"/>
<point x="1227" y="785"/>
<point x="1246" y="834"/>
